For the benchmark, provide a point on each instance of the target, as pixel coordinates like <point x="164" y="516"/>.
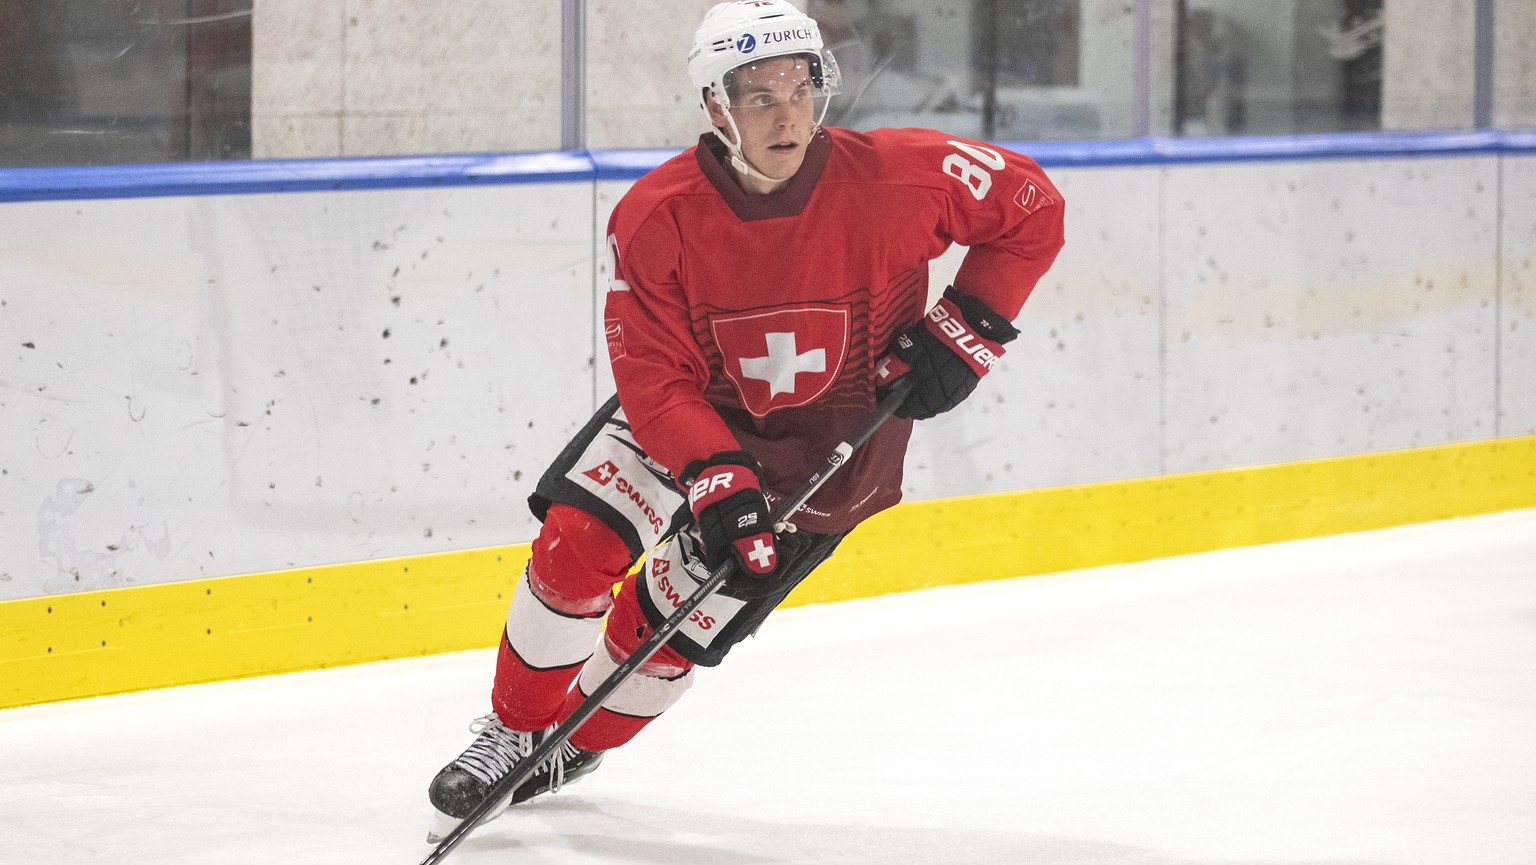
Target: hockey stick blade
<point x="503" y="789"/>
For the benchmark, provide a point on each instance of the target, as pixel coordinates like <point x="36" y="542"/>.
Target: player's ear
<point x="716" y="113"/>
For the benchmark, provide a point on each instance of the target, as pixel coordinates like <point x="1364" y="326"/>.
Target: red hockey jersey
<point x="755" y="322"/>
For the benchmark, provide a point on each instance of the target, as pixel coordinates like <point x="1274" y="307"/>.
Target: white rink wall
<point x="205" y="386"/>
<point x="1225" y="315"/>
<point x="213" y="385"/>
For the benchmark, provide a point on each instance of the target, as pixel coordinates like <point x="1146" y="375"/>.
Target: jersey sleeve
<point x="1001" y="205"/>
<point x="658" y="368"/>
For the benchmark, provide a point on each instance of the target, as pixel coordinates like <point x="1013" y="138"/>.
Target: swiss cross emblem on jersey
<point x="784" y="358"/>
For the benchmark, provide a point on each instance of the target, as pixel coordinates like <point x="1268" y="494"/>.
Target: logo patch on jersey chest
<point x="784" y="358"/>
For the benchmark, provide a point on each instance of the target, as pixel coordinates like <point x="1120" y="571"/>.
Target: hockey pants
<point x="604" y="503"/>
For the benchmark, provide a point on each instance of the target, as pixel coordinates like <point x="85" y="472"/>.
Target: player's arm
<point x="661" y="375"/>
<point x="1002" y="206"/>
<point x="658" y="368"/>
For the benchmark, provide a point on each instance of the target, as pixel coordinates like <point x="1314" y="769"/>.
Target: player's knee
<point x="628" y="628"/>
<point x="577" y="560"/>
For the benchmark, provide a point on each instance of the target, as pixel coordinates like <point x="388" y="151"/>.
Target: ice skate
<point x="495" y="753"/>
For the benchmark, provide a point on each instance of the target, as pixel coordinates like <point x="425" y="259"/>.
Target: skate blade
<point x="440" y="826"/>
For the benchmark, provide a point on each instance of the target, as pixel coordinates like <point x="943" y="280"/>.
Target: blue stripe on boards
<point x="581" y="166"/>
<point x="291" y="175"/>
<point x="1275" y="148"/>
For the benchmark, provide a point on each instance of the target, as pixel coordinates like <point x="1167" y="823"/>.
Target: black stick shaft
<point x="504" y="788"/>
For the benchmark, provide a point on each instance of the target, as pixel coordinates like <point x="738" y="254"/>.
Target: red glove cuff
<point x="947" y="323"/>
<point x="717" y="482"/>
<point x="757" y="552"/>
<point x="891" y="368"/>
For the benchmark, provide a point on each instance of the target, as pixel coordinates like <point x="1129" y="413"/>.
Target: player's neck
<point x="753" y="184"/>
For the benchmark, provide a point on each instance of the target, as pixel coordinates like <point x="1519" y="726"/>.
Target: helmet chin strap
<point x="739" y="158"/>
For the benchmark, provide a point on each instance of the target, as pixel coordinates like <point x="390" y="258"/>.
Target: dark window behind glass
<point x="996" y="69"/>
<point x="1283" y="67"/>
<point x="1022" y="44"/>
<point x="92" y="82"/>
<point x="1360" y="57"/>
<point x="1025" y="43"/>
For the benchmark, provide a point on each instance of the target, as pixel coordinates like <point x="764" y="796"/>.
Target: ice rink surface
<point x="1358" y="699"/>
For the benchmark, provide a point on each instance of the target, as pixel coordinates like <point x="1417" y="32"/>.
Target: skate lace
<point x="562" y="755"/>
<point x="498" y="748"/>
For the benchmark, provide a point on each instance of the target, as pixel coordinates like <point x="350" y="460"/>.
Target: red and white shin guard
<point x="654" y="688"/>
<point x="556" y="619"/>
<point x="556" y="616"/>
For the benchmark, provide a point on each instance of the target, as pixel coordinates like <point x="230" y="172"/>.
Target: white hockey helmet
<point x="746" y="31"/>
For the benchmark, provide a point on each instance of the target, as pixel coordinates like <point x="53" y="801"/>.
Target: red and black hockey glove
<point x="946" y="353"/>
<point x="726" y="496"/>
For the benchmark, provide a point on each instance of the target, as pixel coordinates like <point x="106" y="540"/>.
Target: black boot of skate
<point x="495" y="753"/>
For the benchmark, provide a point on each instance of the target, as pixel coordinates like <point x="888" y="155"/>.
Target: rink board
<point x="117" y="640"/>
<point x="249" y="368"/>
<point x="300" y="371"/>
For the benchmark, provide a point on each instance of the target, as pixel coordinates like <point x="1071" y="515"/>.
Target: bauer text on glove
<point x="946" y="354"/>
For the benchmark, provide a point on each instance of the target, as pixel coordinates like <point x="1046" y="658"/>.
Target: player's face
<point x="773" y="105"/>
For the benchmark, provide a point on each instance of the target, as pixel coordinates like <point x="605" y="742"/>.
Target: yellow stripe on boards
<point x="947" y="541"/>
<point x="117" y="640"/>
<point x="130" y="639"/>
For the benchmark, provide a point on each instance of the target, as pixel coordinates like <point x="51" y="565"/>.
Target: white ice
<point x="1340" y="701"/>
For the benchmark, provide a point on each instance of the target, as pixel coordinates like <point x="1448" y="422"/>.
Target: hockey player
<point x="766" y="284"/>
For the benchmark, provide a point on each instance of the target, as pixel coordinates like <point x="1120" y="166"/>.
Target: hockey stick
<point x="503" y="789"/>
